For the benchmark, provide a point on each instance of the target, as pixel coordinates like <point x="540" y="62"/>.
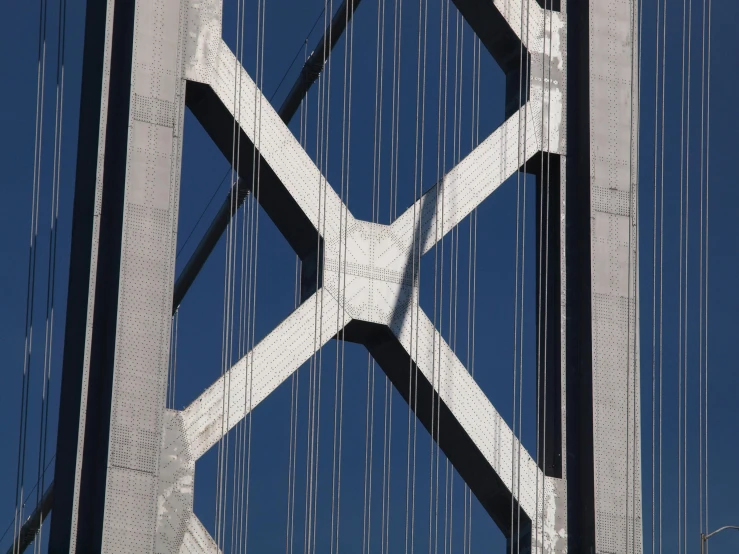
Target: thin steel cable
<point x="293" y="396"/>
<point x="245" y="284"/>
<point x="526" y="78"/>
<point x="477" y="45"/>
<point x="253" y="310"/>
<point x="314" y="404"/>
<point x="312" y="453"/>
<point x="314" y="357"/>
<point x="376" y="191"/>
<point x="237" y="523"/>
<point x="31" y="279"/>
<point x="222" y="463"/>
<point x="418" y="178"/>
<point x="685" y="311"/>
<point x="441" y="266"/>
<point x="323" y="189"/>
<point x="410" y="480"/>
<point x="341" y="315"/>
<point x="244" y="258"/>
<point x="379" y="72"/>
<point x="205" y="209"/>
<point x="365" y="503"/>
<point x="416" y="257"/>
<point x="301" y="47"/>
<point x="385" y="449"/>
<point x="546" y="248"/>
<point x="51" y="264"/>
<point x="465" y="487"/>
<point x="411" y="396"/>
<point x="245" y="276"/>
<point x="680" y="295"/>
<point x="454" y="271"/>
<point x="392" y="196"/>
<point x="518" y="312"/>
<point x="516" y="282"/>
<point x="350" y="39"/>
<point x="438" y="291"/>
<point x="708" y="158"/>
<point x="541" y="458"/>
<point x="371" y="454"/>
<point x="661" y="258"/>
<point x="28" y="496"/>
<point x="654" y="264"/>
<point x="303" y="140"/>
<point x="542" y="357"/>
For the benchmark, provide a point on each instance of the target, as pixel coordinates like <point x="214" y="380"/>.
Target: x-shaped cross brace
<point x="369" y="290"/>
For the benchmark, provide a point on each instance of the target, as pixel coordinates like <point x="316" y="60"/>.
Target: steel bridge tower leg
<point x="603" y="453"/>
<point x="121" y="278"/>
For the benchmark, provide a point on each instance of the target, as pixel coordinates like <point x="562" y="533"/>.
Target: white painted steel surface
<point x="614" y="105"/>
<point x="260" y="372"/>
<point x="149" y="239"/>
<point x="209" y="60"/>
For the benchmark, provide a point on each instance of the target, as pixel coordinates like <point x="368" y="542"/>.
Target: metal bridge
<point x="383" y="197"/>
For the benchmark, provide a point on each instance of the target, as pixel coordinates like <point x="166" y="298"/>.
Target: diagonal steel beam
<point x="308" y="75"/>
<point x="466" y="425"/>
<point x="471" y="181"/>
<point x="315" y="62"/>
<point x="256" y="375"/>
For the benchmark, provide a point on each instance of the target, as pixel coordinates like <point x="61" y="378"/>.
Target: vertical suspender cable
<point x="253" y="249"/>
<point x="700" y="276"/>
<point x="685" y="310"/>
<point x="341" y="316"/>
<point x="661" y="258"/>
<point x="707" y="174"/>
<point x="516" y="282"/>
<point x="518" y="333"/>
<point x="31" y="280"/>
<point x="416" y="253"/>
<point x="294" y="404"/>
<point x="466" y="513"/>
<point x="350" y="41"/>
<point x="51" y="265"/>
<point x="654" y="264"/>
<point x="680" y="294"/>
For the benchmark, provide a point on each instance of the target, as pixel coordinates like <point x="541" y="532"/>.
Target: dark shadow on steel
<point x="30" y="528"/>
<point x="308" y="75"/>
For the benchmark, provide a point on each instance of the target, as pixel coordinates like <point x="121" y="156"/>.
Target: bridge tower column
<point x="121" y="278"/>
<point x="603" y="453"/>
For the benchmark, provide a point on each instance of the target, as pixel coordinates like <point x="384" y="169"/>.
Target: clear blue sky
<point x="199" y="353"/>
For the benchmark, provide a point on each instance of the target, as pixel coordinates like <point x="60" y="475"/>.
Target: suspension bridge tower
<point x="125" y="464"/>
